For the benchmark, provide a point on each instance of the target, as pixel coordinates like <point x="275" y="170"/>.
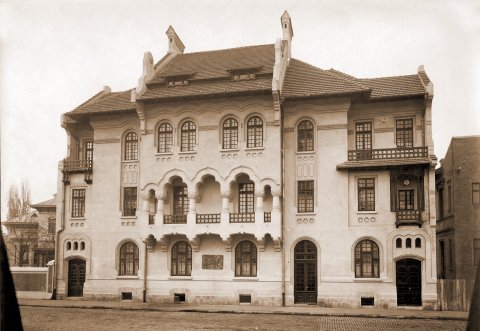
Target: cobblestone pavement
<point x="57" y="318"/>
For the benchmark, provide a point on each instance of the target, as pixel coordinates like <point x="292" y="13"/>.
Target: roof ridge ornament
<point x="175" y="44"/>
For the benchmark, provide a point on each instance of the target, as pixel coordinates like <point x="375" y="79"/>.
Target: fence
<point x="33" y="282"/>
<point x="454" y="294"/>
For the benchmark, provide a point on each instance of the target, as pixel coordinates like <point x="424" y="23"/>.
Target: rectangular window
<point x="246" y="198"/>
<point x="51" y="226"/>
<point x="305" y="196"/>
<point x="449" y="197"/>
<point x="476" y="193"/>
<point x="363" y="135"/>
<point x="366" y="194"/>
<point x="89" y="150"/>
<point x="78" y="203"/>
<point x="450" y="254"/>
<point x="406" y="200"/>
<point x="440" y="202"/>
<point x="476" y="251"/>
<point x="404" y="133"/>
<point x="129" y="201"/>
<point x="180" y="200"/>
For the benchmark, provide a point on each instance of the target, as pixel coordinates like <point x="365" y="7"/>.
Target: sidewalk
<point x="244" y="309"/>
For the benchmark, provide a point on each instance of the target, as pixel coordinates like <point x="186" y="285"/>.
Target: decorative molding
<point x="288" y="129"/>
<point x="208" y="127"/>
<point x="228" y="244"/>
<point x="106" y="141"/>
<point x="163" y="243"/>
<point x="382" y="130"/>
<point x="195" y="243"/>
<point x="150" y="242"/>
<point x="212" y="262"/>
<point x="277" y="244"/>
<point x="332" y="127"/>
<point x="261" y="242"/>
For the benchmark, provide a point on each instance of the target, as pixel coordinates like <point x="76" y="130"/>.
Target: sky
<point x="54" y="55"/>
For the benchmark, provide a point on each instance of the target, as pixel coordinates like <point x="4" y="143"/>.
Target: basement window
<point x="126" y="295"/>
<point x="179" y="297"/>
<point x="367" y="301"/>
<point x="245" y="298"/>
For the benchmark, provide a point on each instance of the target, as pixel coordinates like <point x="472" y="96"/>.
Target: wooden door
<point x="76" y="277"/>
<point x="305" y="272"/>
<point x="409" y="282"/>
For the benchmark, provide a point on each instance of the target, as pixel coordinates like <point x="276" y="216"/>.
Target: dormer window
<point x="243" y="76"/>
<point x="177" y="82"/>
<point x="244" y="73"/>
<point x="178" y="79"/>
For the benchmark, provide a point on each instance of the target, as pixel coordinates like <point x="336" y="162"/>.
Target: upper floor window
<point x="475" y="193"/>
<point x="406" y="200"/>
<point x="255" y="132"/>
<point x="366" y="194"/>
<point x="131" y="146"/>
<point x="89" y="150"/>
<point x="230" y="134"/>
<point x="246" y="196"/>
<point x="129" y="201"/>
<point x="404" y="132"/>
<point x="363" y="135"/>
<point x="78" y="202"/>
<point x="367" y="259"/>
<point x="128" y="259"/>
<point x="51" y="226"/>
<point x="181" y="259"/>
<point x="188" y="137"/>
<point x="305" y="136"/>
<point x="246" y="259"/>
<point x="180" y="200"/>
<point x="165" y="138"/>
<point x="305" y="196"/>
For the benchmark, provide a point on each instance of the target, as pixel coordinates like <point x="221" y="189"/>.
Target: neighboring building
<point x="30" y="238"/>
<point x="458" y="210"/>
<point x="244" y="175"/>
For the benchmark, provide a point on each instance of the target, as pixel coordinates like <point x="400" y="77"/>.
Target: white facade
<point x="195" y="187"/>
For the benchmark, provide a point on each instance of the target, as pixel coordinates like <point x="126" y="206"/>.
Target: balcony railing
<point x="408" y="217"/>
<point x="77" y="165"/>
<point x="267" y="217"/>
<point x="208" y="218"/>
<point x="242" y="217"/>
<point x="174" y="219"/>
<point x="387" y="153"/>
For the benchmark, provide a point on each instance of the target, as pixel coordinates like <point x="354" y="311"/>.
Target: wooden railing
<point x="77" y="165"/>
<point x="387" y="153"/>
<point x="267" y="217"/>
<point x="242" y="217"/>
<point x="208" y="218"/>
<point x="408" y="217"/>
<point x="174" y="219"/>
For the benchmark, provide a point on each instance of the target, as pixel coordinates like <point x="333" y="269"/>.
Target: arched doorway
<point x="76" y="277"/>
<point x="409" y="282"/>
<point x="305" y="272"/>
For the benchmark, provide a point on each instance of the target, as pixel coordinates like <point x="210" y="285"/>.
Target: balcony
<point x="174" y="219"/>
<point x="207" y="218"/>
<point x="408" y="217"/>
<point x="387" y="153"/>
<point x="242" y="217"/>
<point x="77" y="166"/>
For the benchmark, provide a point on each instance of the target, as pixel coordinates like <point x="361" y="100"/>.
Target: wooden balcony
<point x="267" y="218"/>
<point x="77" y="166"/>
<point x="208" y="218"/>
<point x="174" y="219"/>
<point x="387" y="153"/>
<point x="242" y="217"/>
<point x="408" y="217"/>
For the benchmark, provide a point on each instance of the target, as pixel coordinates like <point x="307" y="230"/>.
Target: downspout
<point x="57" y="240"/>
<point x="282" y="206"/>
<point x="145" y="275"/>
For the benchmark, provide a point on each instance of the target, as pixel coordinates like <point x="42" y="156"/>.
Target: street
<point x="57" y="318"/>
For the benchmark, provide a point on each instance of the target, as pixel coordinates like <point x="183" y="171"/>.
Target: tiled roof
<point x="392" y="87"/>
<point x="304" y="80"/>
<point x="47" y="203"/>
<point x="114" y="101"/>
<point x="384" y="163"/>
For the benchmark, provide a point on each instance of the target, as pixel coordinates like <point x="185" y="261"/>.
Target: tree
<point x="18" y="200"/>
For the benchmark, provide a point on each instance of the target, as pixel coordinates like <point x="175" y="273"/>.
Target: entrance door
<point x="305" y="271"/>
<point x="76" y="277"/>
<point x="409" y="282"/>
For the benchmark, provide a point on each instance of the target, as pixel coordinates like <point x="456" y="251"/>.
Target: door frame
<point x="317" y="264"/>
<point x="421" y="277"/>
<point x="70" y="260"/>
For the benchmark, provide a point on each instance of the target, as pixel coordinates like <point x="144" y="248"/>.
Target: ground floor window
<point x="246" y="259"/>
<point x="367" y="260"/>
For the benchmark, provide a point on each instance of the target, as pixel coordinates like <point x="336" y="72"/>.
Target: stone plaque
<point x="214" y="262"/>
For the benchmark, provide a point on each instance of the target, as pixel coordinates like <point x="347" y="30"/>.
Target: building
<point x="244" y="175"/>
<point x="30" y="238"/>
<point x="458" y="210"/>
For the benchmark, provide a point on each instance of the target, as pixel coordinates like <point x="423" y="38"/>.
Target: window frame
<point x="404" y="136"/>
<point x="181" y="261"/>
<point x="246" y="197"/>
<point x="180" y="201"/>
<point x="368" y="191"/>
<point x="305" y="196"/>
<point x="251" y="255"/>
<point x="365" y="135"/>
<point x="307" y="135"/>
<point x="475" y="193"/>
<point x="409" y="197"/>
<point x="88" y="150"/>
<point x="130" y="148"/>
<point x="78" y="203"/>
<point x="476" y="251"/>
<point x="164" y="146"/>
<point x="254" y="136"/>
<point x="361" y="257"/>
<point x="128" y="261"/>
<point x="188" y="136"/>
<point x="128" y="201"/>
<point x="230" y="133"/>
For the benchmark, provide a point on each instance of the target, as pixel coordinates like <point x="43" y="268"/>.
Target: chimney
<point x="175" y="45"/>
<point x="287" y="31"/>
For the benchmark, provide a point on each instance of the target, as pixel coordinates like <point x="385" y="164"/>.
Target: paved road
<point x="55" y="318"/>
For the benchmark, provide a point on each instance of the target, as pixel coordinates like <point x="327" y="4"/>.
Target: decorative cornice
<point x="332" y="127"/>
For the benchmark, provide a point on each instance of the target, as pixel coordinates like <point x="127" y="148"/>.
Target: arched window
<point x="181" y="259"/>
<point x="128" y="259"/>
<point x="75" y="246"/>
<point x="69" y="245"/>
<point x="82" y="245"/>
<point x="188" y="137"/>
<point x="305" y="136"/>
<point x="418" y="243"/>
<point x="255" y="132"/>
<point x="230" y="134"/>
<point x="408" y="243"/>
<point x="246" y="259"/>
<point x="131" y="146"/>
<point x="367" y="260"/>
<point x="399" y="243"/>
<point x="165" y="138"/>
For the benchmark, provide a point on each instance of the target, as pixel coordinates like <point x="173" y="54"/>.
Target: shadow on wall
<point x="10" y="318"/>
<point x="474" y="316"/>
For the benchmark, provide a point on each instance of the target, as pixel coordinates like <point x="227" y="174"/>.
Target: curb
<point x="272" y="312"/>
